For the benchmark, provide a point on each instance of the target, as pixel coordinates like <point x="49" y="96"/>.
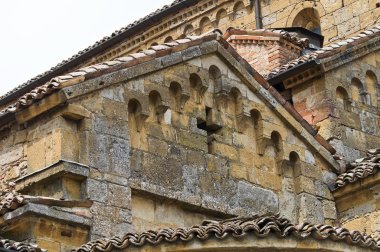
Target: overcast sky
<point x="38" y="34"/>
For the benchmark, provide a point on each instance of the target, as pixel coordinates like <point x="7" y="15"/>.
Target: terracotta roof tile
<point x="18" y="246"/>
<point x="260" y="226"/>
<point x="327" y="51"/>
<point x="54" y="84"/>
<point x="360" y="168"/>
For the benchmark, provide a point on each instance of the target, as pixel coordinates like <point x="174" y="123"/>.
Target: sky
<point x="36" y="35"/>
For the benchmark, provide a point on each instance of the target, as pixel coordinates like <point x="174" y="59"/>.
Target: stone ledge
<point x="45" y="211"/>
<point x="61" y="168"/>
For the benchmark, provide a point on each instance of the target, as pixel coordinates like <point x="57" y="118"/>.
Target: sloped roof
<point x="360" y="168"/>
<point x="96" y="70"/>
<point x="260" y="226"/>
<point x="328" y="51"/>
<point x="97" y="47"/>
<point x="18" y="246"/>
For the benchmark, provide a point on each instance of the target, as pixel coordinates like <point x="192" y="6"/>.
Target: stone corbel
<point x="243" y="120"/>
<point x="262" y="143"/>
<point x="214" y="120"/>
<point x="221" y="99"/>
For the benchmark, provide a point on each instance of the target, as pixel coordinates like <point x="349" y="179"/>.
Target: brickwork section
<point x="343" y="105"/>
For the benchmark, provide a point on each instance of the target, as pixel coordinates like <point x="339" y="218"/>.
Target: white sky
<point x="38" y="34"/>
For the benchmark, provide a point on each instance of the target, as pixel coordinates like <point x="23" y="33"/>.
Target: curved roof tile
<point x="260" y="226"/>
<point x="327" y="51"/>
<point x="360" y="169"/>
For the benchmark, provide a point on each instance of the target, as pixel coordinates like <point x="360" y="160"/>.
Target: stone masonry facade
<point x="198" y="124"/>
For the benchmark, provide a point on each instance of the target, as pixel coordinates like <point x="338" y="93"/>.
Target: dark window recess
<point x="377" y="5"/>
<point x="209" y="128"/>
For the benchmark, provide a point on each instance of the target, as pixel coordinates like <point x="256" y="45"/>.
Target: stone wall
<point x="344" y="105"/>
<point x="195" y="134"/>
<point x="182" y="134"/>
<point x="358" y="206"/>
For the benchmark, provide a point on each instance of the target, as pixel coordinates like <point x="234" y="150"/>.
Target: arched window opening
<point x="155" y="106"/>
<point x="342" y="98"/>
<point x="215" y="78"/>
<point x="294" y="165"/>
<point x="223" y="19"/>
<point x="373" y="89"/>
<point x="205" y="25"/>
<point x="257" y="123"/>
<point x="276" y="141"/>
<point x="188" y="31"/>
<point x="168" y="39"/>
<point x="239" y="10"/>
<point x="308" y="18"/>
<point x="235" y="105"/>
<point x="175" y="95"/>
<point x="358" y="93"/>
<point x="196" y="87"/>
<point x="134" y="111"/>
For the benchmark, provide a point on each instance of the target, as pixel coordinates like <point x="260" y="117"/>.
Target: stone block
<point x="119" y="196"/>
<point x="256" y="200"/>
<point x="309" y="209"/>
<point x="97" y="190"/>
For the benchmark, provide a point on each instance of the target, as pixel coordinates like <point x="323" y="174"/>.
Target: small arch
<point x="134" y="111"/>
<point x="276" y="141"/>
<point x="205" y="25"/>
<point x="215" y="78"/>
<point x="222" y="17"/>
<point x="235" y="104"/>
<point x="257" y="123"/>
<point x="154" y="44"/>
<point x="155" y="105"/>
<point x="175" y="91"/>
<point x="342" y="98"/>
<point x="239" y="10"/>
<point x="308" y="18"/>
<point x="168" y="39"/>
<point x="357" y="90"/>
<point x="294" y="165"/>
<point x="188" y="30"/>
<point x="196" y="87"/>
<point x="372" y="86"/>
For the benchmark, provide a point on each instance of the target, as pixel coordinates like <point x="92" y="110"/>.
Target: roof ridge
<point x="327" y="51"/>
<point x="140" y="57"/>
<point x="261" y="226"/>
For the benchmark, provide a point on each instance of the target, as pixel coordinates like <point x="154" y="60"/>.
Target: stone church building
<point x="221" y="125"/>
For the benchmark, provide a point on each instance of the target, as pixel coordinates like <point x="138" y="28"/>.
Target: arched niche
<point x="188" y="30"/>
<point x="168" y="39"/>
<point x="357" y="91"/>
<point x="293" y="166"/>
<point x="234" y="104"/>
<point x="156" y="108"/>
<point x="372" y="86"/>
<point x="342" y="98"/>
<point x="223" y="19"/>
<point x="197" y="88"/>
<point x="205" y="25"/>
<point x="134" y="118"/>
<point x="308" y="18"/>
<point x="154" y="44"/>
<point x="239" y="10"/>
<point x="215" y="78"/>
<point x="175" y="91"/>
